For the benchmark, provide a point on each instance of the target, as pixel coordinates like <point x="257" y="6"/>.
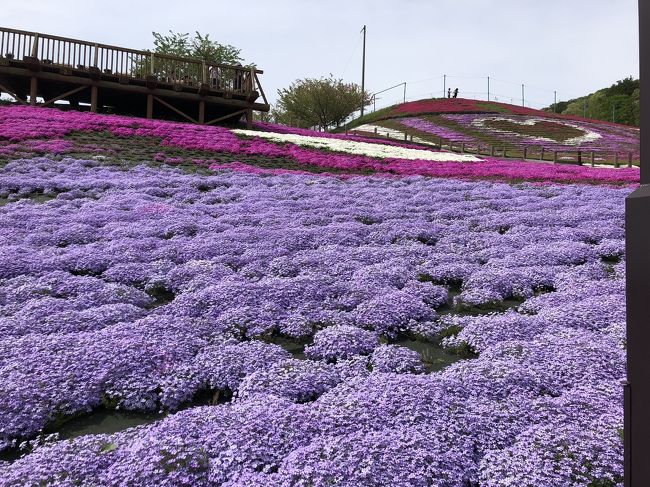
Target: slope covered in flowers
<point x="498" y="124"/>
<point x="28" y="132"/>
<point x="128" y="283"/>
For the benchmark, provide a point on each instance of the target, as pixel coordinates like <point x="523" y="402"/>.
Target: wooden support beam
<point x="64" y="95"/>
<point x="201" y="111"/>
<point x="259" y="85"/>
<point x="174" y="109"/>
<point x="93" y="99"/>
<point x="6" y="90"/>
<point x="249" y="119"/>
<point x="230" y="115"/>
<point x="150" y="106"/>
<point x="210" y="100"/>
<point x="33" y="88"/>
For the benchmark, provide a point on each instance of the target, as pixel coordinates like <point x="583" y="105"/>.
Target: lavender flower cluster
<point x="139" y="289"/>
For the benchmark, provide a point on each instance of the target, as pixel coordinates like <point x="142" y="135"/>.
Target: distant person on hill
<point x="456" y="93"/>
<point x="449" y="93"/>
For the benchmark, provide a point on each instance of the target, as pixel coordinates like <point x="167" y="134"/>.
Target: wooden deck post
<point x="592" y="158"/>
<point x="541" y="158"/>
<point x="201" y="111"/>
<point x="33" y="88"/>
<point x="462" y="148"/>
<point x="579" y="158"/>
<point x="629" y="159"/>
<point x="504" y="151"/>
<point x="525" y="152"/>
<point x="35" y="46"/>
<point x="149" y="105"/>
<point x="93" y="99"/>
<point x="554" y="157"/>
<point x="492" y="150"/>
<point x="616" y="164"/>
<point x="249" y="119"/>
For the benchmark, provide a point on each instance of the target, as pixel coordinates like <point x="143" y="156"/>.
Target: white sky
<point x="572" y="46"/>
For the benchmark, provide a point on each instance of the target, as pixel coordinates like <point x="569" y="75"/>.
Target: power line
<point x="352" y="54"/>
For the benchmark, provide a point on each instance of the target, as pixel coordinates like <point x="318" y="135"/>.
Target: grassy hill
<point x="474" y="123"/>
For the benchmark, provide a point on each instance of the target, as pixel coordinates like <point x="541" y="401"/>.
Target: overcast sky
<point x="572" y="46"/>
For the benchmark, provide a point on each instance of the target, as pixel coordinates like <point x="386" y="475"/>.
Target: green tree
<point x="198" y="47"/>
<point x="324" y="102"/>
<point x="281" y="116"/>
<point x="620" y="102"/>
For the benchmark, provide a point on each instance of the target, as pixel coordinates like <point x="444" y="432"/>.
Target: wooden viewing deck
<point x="125" y="81"/>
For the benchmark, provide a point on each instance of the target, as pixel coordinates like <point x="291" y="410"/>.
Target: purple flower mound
<point x="198" y="447"/>
<point x="220" y="366"/>
<point x="297" y="380"/>
<point x="393" y="358"/>
<point x="559" y="454"/>
<point x="342" y="341"/>
<point x="401" y="457"/>
<point x="392" y="312"/>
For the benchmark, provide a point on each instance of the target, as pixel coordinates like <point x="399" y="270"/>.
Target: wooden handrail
<point x="40" y="36"/>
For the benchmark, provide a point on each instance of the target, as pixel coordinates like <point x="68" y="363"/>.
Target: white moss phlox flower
<point x="360" y="148"/>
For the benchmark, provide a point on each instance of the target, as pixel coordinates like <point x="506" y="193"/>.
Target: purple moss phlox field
<point x="22" y="124"/>
<point x="140" y="288"/>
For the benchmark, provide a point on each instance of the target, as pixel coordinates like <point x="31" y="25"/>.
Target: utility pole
<point x="522" y="95"/>
<point x="444" y="85"/>
<point x="636" y="434"/>
<point x="363" y="71"/>
<point x="555" y="101"/>
<point x="488" y="88"/>
<point x="404" y="91"/>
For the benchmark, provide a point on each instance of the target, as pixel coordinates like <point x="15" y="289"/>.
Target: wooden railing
<point x="57" y="51"/>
